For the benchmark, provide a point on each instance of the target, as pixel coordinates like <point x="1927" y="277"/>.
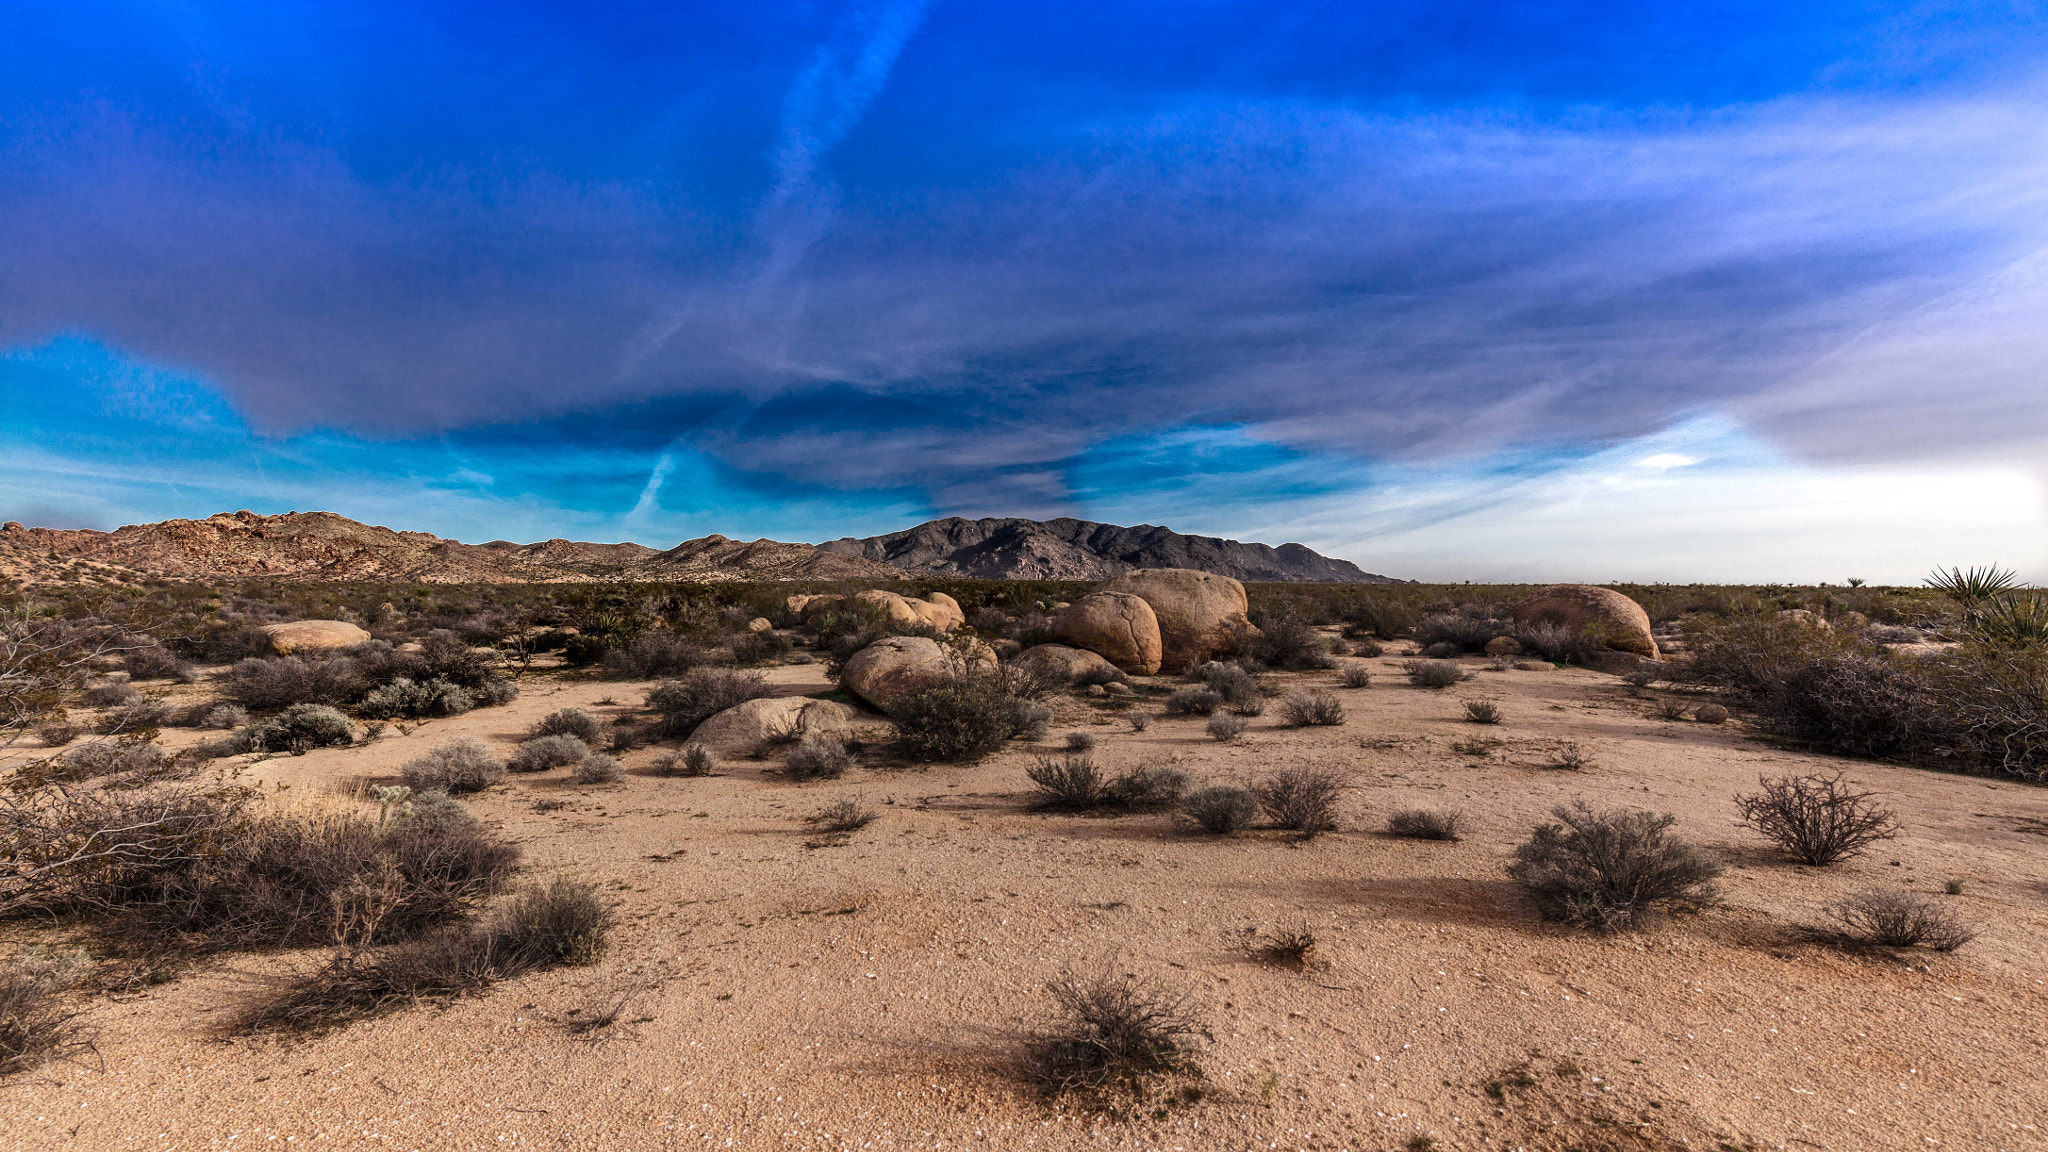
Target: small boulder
<point x="1061" y="664"/>
<point x="885" y="672"/>
<point x="1710" y="714"/>
<point x="760" y="624"/>
<point x="1623" y="622"/>
<point x="1805" y="618"/>
<point x="1503" y="646"/>
<point x="1119" y="688"/>
<point x="313" y="636"/>
<point x="1201" y="615"/>
<point x="1097" y="690"/>
<point x="744" y="727"/>
<point x="1119" y="626"/>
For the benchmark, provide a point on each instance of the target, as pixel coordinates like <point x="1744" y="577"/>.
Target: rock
<point x="1118" y="626"/>
<point x="1061" y="664"/>
<point x="313" y="636"/>
<point x="1854" y="621"/>
<point x="1503" y="646"/>
<point x="744" y="727"/>
<point x="759" y="624"/>
<point x="884" y="672"/>
<point x="1097" y="690"/>
<point x="1710" y="714"/>
<point x="1582" y="606"/>
<point x="1622" y="663"/>
<point x="1200" y="614"/>
<point x="938" y="610"/>
<point x="1119" y="688"/>
<point x="889" y="604"/>
<point x="1532" y="666"/>
<point x="943" y="615"/>
<point x="804" y="607"/>
<point x="1805" y="619"/>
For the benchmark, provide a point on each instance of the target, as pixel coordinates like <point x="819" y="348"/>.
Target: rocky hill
<point x="1069" y="549"/>
<point x="324" y="546"/>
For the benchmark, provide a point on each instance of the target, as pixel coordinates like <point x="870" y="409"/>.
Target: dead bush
<point x="1817" y="819"/>
<point x="544" y="752"/>
<point x="1609" y="870"/>
<point x="694" y="760"/>
<point x="1080" y="742"/>
<point x="1355" y="674"/>
<point x="1302" y="798"/>
<point x="817" y="757"/>
<point x="461" y="765"/>
<point x="1193" y="702"/>
<point x="1292" y="947"/>
<point x="1139" y="721"/>
<point x="1289" y="643"/>
<point x="1223" y="810"/>
<point x="1224" y="727"/>
<point x="596" y="768"/>
<point x="1114" y="1031"/>
<point x="1900" y="920"/>
<point x="35" y="1027"/>
<point x="1570" y="756"/>
<point x="1070" y="782"/>
<point x="1482" y="712"/>
<point x="1305" y="709"/>
<point x="1148" y="787"/>
<point x="94" y="848"/>
<point x="156" y="663"/>
<point x="1434" y="673"/>
<point x="1425" y="824"/>
<point x="844" y="817"/>
<point x="139" y="715"/>
<point x="280" y="682"/>
<point x="699" y="695"/>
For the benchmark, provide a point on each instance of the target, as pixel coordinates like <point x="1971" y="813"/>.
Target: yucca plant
<point x="2013" y="621"/>
<point x="1974" y="588"/>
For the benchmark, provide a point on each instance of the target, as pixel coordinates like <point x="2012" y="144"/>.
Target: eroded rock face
<point x="313" y="636"/>
<point x="1580" y="606"/>
<point x="1201" y="615"/>
<point x="1057" y="662"/>
<point x="747" y="726"/>
<point x="885" y="672"/>
<point x="1118" y="626"/>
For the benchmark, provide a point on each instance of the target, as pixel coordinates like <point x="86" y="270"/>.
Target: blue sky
<point x="1421" y="285"/>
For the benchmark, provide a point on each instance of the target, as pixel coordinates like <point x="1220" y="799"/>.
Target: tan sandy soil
<point x="877" y="995"/>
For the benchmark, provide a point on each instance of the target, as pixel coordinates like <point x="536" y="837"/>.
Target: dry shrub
<point x="1305" y="709"/>
<point x="1570" y="756"/>
<point x="654" y="655"/>
<point x="279" y="682"/>
<point x="1080" y="742"/>
<point x="1482" y="712"/>
<point x="1816" y="818"/>
<point x="1434" y="673"/>
<point x="1225" y="728"/>
<point x="1223" y="809"/>
<point x="1139" y="721"/>
<point x="156" y="663"/>
<point x="112" y="694"/>
<point x="699" y="695"/>
<point x="1425" y="824"/>
<point x="1114" y="1031"/>
<point x="1355" y="674"/>
<point x="544" y="752"/>
<point x="1302" y="799"/>
<point x="462" y="765"/>
<point x="1670" y="710"/>
<point x="412" y="699"/>
<point x="1858" y="705"/>
<point x="1193" y="702"/>
<point x="1900" y="920"/>
<point x="134" y="761"/>
<point x="817" y="757"/>
<point x="298" y="729"/>
<point x="569" y="722"/>
<point x="1288" y="643"/>
<point x="1368" y="648"/>
<point x="759" y="647"/>
<point x="1292" y="947"/>
<point x="844" y="817"/>
<point x="95" y="848"/>
<point x="34" y="1026"/>
<point x="1149" y="787"/>
<point x="1070" y="782"/>
<point x="141" y="714"/>
<point x="543" y="926"/>
<point x="965" y="716"/>
<point x="596" y="768"/>
<point x="1609" y="870"/>
<point x="57" y="733"/>
<point x="1455" y="635"/>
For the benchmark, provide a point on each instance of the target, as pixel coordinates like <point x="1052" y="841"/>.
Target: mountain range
<point x="325" y="546"/>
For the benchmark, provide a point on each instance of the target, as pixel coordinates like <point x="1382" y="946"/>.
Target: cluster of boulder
<point x="936" y="610"/>
<point x="1148" y="621"/>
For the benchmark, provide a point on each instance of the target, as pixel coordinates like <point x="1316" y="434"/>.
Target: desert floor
<point x="879" y="994"/>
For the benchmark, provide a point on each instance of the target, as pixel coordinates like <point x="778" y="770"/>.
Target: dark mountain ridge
<point x="1010" y="548"/>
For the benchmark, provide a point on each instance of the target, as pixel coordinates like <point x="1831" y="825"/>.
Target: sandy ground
<point x="877" y="994"/>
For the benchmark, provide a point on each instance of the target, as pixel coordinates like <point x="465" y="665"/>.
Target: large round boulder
<point x="1059" y="664"/>
<point x="744" y="727"/>
<point x="1119" y="626"/>
<point x="885" y="672"/>
<point x="943" y="613"/>
<point x="313" y="636"/>
<point x="938" y="610"/>
<point x="1201" y="615"/>
<point x="1622" y="623"/>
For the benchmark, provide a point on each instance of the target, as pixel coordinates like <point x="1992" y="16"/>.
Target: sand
<point x="879" y="994"/>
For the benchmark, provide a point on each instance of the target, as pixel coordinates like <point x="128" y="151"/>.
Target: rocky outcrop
<point x="744" y="727"/>
<point x="885" y="672"/>
<point x="1119" y="626"/>
<point x="1069" y="549"/>
<point x="1623" y="624"/>
<point x="1059" y="664"/>
<point x="1201" y="615"/>
<point x="312" y="636"/>
<point x="943" y="614"/>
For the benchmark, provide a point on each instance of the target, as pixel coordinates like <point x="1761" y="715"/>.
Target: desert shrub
<point x="1569" y="756"/>
<point x="461" y="765"/>
<point x="1856" y="705"/>
<point x="582" y="651"/>
<point x="1080" y="742"/>
<point x="701" y="694"/>
<point x="142" y="714"/>
<point x="408" y="698"/>
<point x="1435" y="673"/>
<point x="1250" y="706"/>
<point x="1385" y="619"/>
<point x="759" y="647"/>
<point x="1233" y="682"/>
<point x="1996" y="702"/>
<point x="101" y="848"/>
<point x="1033" y="720"/>
<point x="287" y="680"/>
<point x="1289" y="643"/>
<point x="1148" y="787"/>
<point x="57" y="733"/>
<point x="544" y="752"/>
<point x="1425" y="824"/>
<point x="1301" y="798"/>
<point x="596" y="768"/>
<point x="35" y="1028"/>
<point x="1670" y="710"/>
<point x="653" y="655"/>
<point x="1072" y="782"/>
<point x="1101" y="674"/>
<point x="1305" y="709"/>
<point x="1291" y="947"/>
<point x="964" y="716"/>
<point x="1139" y="721"/>
<point x="1900" y="920"/>
<point x="1752" y="655"/>
<point x="223" y="716"/>
<point x="1559" y="644"/>
<point x="1224" y="727"/>
<point x="436" y="810"/>
<point x="1456" y="635"/>
<point x="543" y="926"/>
<point x="1444" y="650"/>
<point x="1482" y="712"/>
<point x="1368" y="648"/>
<point x="495" y="692"/>
<point x="155" y="663"/>
<point x="817" y="757"/>
<point x="568" y="722"/>
<point x="1608" y="870"/>
<point x="112" y="694"/>
<point x="1817" y="819"/>
<point x="845" y="816"/>
<point x="299" y="728"/>
<point x="694" y="760"/>
<point x="101" y="758"/>
<point x="1193" y="702"/>
<point x="1114" y="1031"/>
<point x="1355" y="674"/>
<point x="1221" y="809"/>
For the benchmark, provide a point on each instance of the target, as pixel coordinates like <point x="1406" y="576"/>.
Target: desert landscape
<point x="362" y="839"/>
